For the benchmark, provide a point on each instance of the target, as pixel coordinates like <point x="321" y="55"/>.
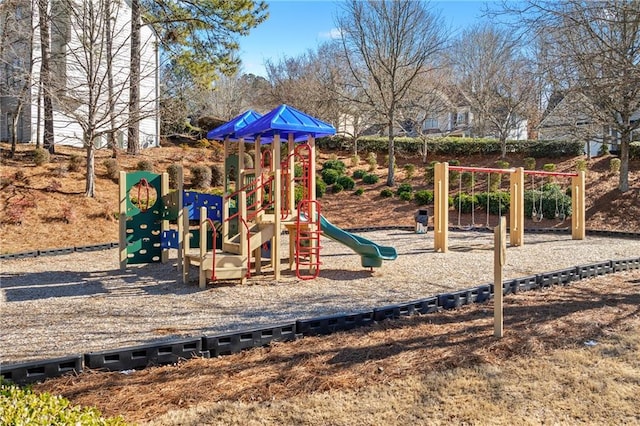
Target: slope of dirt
<point x="45" y="207"/>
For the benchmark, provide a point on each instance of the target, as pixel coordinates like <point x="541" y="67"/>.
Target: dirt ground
<point x="569" y="355"/>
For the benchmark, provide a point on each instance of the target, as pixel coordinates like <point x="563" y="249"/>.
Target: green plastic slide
<point x="371" y="254"/>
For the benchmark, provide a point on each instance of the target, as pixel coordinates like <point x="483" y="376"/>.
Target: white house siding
<point x="67" y="129"/>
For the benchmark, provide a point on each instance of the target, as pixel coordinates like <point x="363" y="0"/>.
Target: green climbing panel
<point x="144" y="217"/>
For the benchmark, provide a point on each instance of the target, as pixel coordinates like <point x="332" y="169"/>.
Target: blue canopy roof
<point x="230" y="128"/>
<point x="285" y="120"/>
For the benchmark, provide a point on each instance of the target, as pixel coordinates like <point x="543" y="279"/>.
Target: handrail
<point x="213" y="249"/>
<point x="244" y="222"/>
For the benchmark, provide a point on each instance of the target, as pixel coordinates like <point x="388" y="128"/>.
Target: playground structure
<point x="236" y="231"/>
<point x="516" y="211"/>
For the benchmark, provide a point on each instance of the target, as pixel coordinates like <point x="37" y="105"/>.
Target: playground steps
<point x="228" y="266"/>
<point x="260" y="234"/>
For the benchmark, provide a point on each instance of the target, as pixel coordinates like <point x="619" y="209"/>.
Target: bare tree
<point x="388" y="44"/>
<point x="133" y="140"/>
<point x="494" y="78"/>
<point x="592" y="48"/>
<point x="45" y="75"/>
<point x="16" y="64"/>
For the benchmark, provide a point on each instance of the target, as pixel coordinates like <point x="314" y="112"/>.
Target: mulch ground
<point x="535" y="323"/>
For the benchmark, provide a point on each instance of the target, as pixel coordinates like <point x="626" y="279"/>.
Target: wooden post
<point x="291" y="202"/>
<point x="202" y="279"/>
<point x="499" y="249"/>
<point x="122" y="221"/>
<point x="180" y="223"/>
<point x="441" y="207"/>
<point x="186" y="245"/>
<point x="257" y="170"/>
<point x="578" y="229"/>
<point x="516" y="211"/>
<point x="225" y="202"/>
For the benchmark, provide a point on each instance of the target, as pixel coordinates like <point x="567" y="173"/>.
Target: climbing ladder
<point x="307" y="240"/>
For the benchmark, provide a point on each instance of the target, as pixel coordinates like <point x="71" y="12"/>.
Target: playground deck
<point x="81" y="302"/>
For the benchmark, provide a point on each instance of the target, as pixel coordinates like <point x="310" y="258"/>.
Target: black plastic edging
<point x="172" y="351"/>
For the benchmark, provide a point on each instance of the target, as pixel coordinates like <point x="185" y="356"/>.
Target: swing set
<point x="516" y="210"/>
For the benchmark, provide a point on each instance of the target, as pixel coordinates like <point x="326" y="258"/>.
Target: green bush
<point x="172" y="171"/>
<point x="297" y="170"/>
<point x="406" y="196"/>
<point x="337" y="188"/>
<point x="386" y="193"/>
<point x="41" y="156"/>
<point x="359" y="191"/>
<point x="424" y="197"/>
<point x="113" y="169"/>
<point x="454" y="174"/>
<point x="429" y="172"/>
<point x="75" y="163"/>
<point x="581" y="165"/>
<point x="145" y="165"/>
<point x="355" y="160"/>
<point x="499" y="202"/>
<point x="200" y="176"/>
<point x="321" y="188"/>
<point x="551" y="195"/>
<point x="298" y="194"/>
<point x="359" y="174"/>
<point x="404" y="187"/>
<point x="217" y="175"/>
<point x="464" y="202"/>
<point x="370" y="179"/>
<point x="549" y="167"/>
<point x="409" y="170"/>
<point x="494" y="181"/>
<point x="334" y="165"/>
<point x="604" y="149"/>
<point x="502" y="164"/>
<point x="530" y="163"/>
<point x="614" y="166"/>
<point x="346" y="182"/>
<point x="24" y="407"/>
<point x="330" y="176"/>
<point x="468" y="180"/>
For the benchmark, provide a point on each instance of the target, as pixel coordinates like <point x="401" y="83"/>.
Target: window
<point x="431" y="123"/>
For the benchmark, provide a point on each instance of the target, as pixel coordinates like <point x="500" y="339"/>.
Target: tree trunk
<point x="90" y="181"/>
<point x="503" y="147"/>
<point x="111" y="137"/>
<point x="14" y="135"/>
<point x="133" y="133"/>
<point x="392" y="160"/>
<point x="624" y="161"/>
<point x="45" y="76"/>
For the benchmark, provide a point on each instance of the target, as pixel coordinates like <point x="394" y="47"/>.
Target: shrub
<point x="468" y="179"/>
<point x="494" y="181"/>
<point x="20" y="406"/>
<point x="409" y="170"/>
<point x="614" y="166"/>
<point x="297" y="170"/>
<point x="423" y="197"/>
<point x="336" y="188"/>
<point x="359" y="174"/>
<point x="581" y="165"/>
<point x="372" y="161"/>
<point x="330" y="176"/>
<point x="203" y="143"/>
<point x="355" y="160"/>
<point x="634" y="150"/>
<point x="530" y="163"/>
<point x="604" y="149"/>
<point x="172" y="171"/>
<point x="454" y="174"/>
<point x="298" y="194"/>
<point x="386" y="162"/>
<point x="386" y="193"/>
<point x="406" y="196"/>
<point x="370" y="179"/>
<point x="321" y="188"/>
<point x="145" y="165"/>
<point x="404" y="187"/>
<point x="41" y="156"/>
<point x="200" y="176"/>
<point x="429" y="172"/>
<point x="551" y="195"/>
<point x="75" y="163"/>
<point x="334" y="165"/>
<point x="346" y="182"/>
<point x="359" y="191"/>
<point x="217" y="175"/>
<point x="464" y="202"/>
<point x="549" y="167"/>
<point x="502" y="164"/>
<point x="217" y="151"/>
<point x="113" y="169"/>
<point x="499" y="202"/>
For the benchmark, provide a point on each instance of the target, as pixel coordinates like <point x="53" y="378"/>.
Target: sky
<point x="293" y="27"/>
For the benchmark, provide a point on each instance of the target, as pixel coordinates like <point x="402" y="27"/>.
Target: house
<point x="573" y="117"/>
<point x="79" y="62"/>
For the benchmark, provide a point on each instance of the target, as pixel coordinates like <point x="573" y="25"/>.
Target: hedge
<point x="456" y="146"/>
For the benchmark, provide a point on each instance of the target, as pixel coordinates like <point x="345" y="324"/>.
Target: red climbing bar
<point x="480" y="169"/>
<point x="543" y="173"/>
